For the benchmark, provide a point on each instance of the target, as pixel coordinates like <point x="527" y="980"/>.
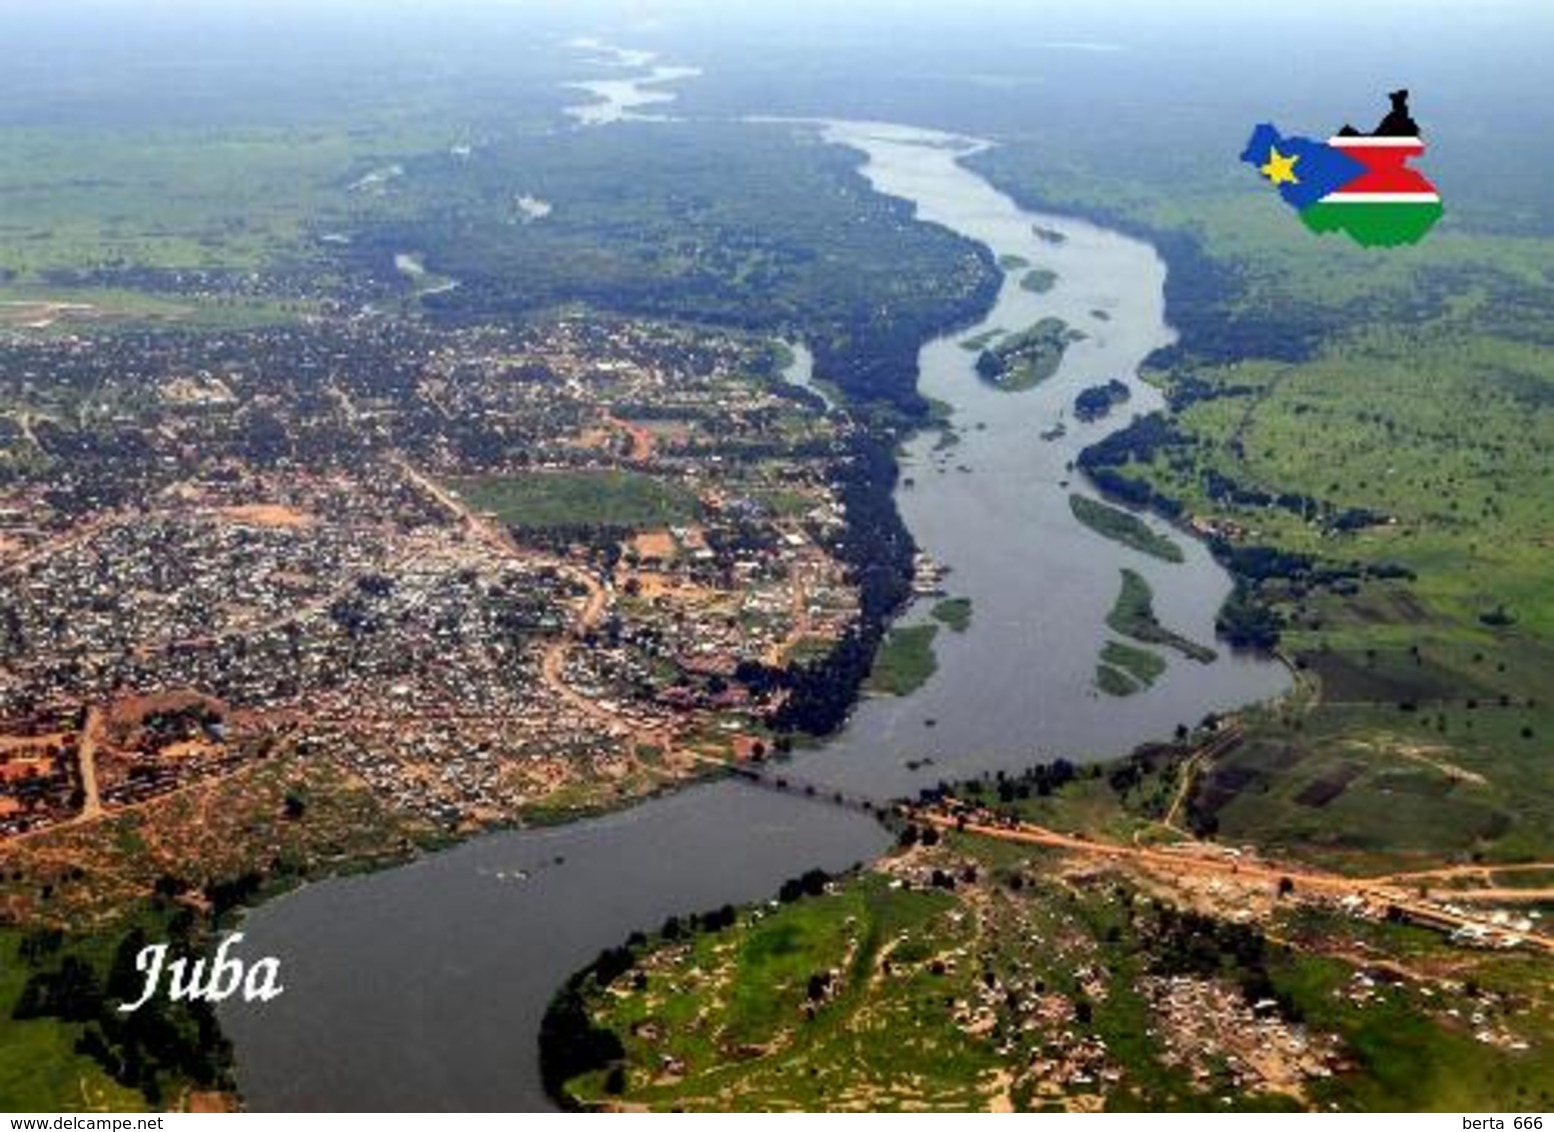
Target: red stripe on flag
<point x="1385" y="169"/>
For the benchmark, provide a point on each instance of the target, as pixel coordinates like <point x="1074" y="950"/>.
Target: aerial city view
<point x="665" y="556"/>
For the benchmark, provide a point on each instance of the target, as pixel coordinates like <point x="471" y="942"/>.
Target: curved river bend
<point x="422" y="987"/>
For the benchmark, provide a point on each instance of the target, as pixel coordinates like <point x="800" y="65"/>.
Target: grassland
<point x="953" y="612"/>
<point x="1124" y="527"/>
<point x="905" y="661"/>
<point x="1133" y="615"/>
<point x="108" y="217"/>
<point x="609" y="498"/>
<point x="805" y="1045"/>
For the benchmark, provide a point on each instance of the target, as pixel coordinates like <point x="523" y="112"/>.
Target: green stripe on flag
<point x="1380" y="225"/>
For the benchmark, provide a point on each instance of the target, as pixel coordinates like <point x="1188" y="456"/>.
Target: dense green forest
<point x="757" y="227"/>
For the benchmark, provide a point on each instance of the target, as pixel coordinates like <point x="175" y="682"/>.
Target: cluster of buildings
<point x="274" y="527"/>
<point x="1207" y="1028"/>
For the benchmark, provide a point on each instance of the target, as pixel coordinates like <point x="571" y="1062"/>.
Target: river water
<point x="422" y="987"/>
<point x="621" y="100"/>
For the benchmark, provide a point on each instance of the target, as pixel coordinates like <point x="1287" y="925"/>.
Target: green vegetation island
<point x="954" y="613"/>
<point x="1133" y="615"/>
<point x="1123" y="527"/>
<point x="1124" y="669"/>
<point x="1024" y="360"/>
<point x="905" y="661"/>
<point x="1038" y="280"/>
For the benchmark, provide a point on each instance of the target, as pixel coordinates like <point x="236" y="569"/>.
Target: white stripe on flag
<point x="1364" y="142"/>
<point x="1381" y="198"/>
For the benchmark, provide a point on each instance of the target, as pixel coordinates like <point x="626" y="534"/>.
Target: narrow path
<point x="777" y="654"/>
<point x="86" y="760"/>
<point x="1485" y="869"/>
<point x="1188" y="772"/>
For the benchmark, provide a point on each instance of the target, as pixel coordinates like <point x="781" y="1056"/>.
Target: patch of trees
<point x="1185" y="390"/>
<point x="603" y="538"/>
<point x="1222" y="489"/>
<point x="1040" y="781"/>
<point x="1139" y="442"/>
<point x="1191" y="944"/>
<point x="717" y="920"/>
<point x="811" y="883"/>
<point x="911" y="835"/>
<point x="1246" y="622"/>
<point x="1096" y="401"/>
<point x="177" y="724"/>
<point x="226" y="895"/>
<point x="570" y="1043"/>
<point x="877" y="550"/>
<point x="156" y="1048"/>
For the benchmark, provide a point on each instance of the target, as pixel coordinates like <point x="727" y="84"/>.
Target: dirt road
<point x="1197" y="858"/>
<point x="92" y="805"/>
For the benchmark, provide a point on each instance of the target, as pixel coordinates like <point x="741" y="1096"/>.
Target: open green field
<point x="608" y="498"/>
<point x="905" y="660"/>
<point x="107" y="217"/>
<point x="798" y="1036"/>
<point x="1124" y="527"/>
<point x="1133" y="615"/>
<point x="1365" y="784"/>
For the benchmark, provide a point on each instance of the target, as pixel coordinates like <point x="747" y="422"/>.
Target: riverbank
<point x="1055" y="941"/>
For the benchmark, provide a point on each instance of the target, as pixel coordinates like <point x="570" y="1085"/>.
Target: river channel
<point x="422" y="987"/>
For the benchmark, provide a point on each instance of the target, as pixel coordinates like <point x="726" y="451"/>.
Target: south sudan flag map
<point x="1355" y="183"/>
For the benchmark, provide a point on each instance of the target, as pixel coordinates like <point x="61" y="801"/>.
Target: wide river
<point x="422" y="987"/>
